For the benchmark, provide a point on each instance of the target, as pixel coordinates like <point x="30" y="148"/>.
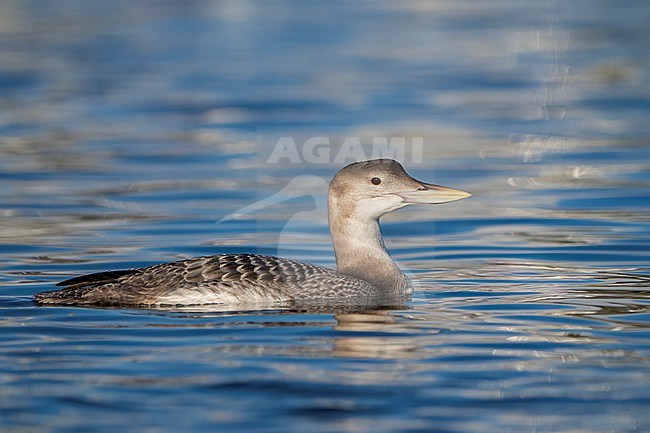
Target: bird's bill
<point x="433" y="194"/>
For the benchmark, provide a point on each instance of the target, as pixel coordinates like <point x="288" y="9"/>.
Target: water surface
<point x="133" y="134"/>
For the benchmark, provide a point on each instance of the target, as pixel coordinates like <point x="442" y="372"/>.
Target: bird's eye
<point x="375" y="181"/>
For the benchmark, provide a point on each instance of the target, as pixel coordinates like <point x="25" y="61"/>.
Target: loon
<point x="358" y="195"/>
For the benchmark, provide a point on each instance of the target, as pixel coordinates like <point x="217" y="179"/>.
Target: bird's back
<point x="218" y="279"/>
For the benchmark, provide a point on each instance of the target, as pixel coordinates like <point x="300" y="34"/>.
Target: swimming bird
<point x="366" y="274"/>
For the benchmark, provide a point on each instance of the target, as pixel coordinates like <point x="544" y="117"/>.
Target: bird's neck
<point x="360" y="251"/>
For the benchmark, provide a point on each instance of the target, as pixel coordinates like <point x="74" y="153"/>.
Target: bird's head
<point x="370" y="189"/>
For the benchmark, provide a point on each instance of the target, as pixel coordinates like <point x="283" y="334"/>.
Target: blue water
<point x="133" y="133"/>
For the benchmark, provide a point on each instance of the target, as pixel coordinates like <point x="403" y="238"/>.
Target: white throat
<point x="359" y="246"/>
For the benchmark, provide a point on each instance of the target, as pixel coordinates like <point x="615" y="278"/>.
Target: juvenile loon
<point x="358" y="195"/>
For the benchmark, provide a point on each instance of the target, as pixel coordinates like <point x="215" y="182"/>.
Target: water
<point x="130" y="129"/>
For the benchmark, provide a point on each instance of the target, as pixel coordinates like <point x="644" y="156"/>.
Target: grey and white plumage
<point x="358" y="196"/>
